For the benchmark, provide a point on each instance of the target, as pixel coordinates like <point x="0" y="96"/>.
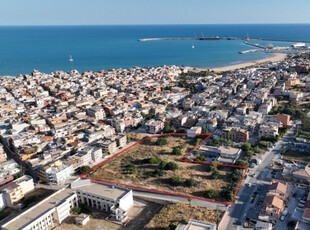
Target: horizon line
<point x="155" y="24"/>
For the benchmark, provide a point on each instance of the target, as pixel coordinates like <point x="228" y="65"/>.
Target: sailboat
<point x="70" y="59"/>
<point x="193" y="47"/>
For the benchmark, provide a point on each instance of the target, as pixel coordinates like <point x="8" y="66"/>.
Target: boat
<point x="193" y="46"/>
<point x="71" y="59"/>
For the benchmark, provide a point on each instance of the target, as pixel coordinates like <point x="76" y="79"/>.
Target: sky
<point x="123" y="12"/>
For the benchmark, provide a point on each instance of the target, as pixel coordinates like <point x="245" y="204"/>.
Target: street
<point x="237" y="211"/>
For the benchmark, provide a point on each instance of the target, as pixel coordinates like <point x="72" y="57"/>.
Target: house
<point x="224" y="154"/>
<point x="279" y="189"/>
<point x="26" y="183"/>
<point x="154" y="126"/>
<point x="284" y="119"/>
<point x="273" y="205"/>
<point x="193" y="131"/>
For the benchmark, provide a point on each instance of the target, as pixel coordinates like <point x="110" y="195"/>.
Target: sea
<point x="48" y="48"/>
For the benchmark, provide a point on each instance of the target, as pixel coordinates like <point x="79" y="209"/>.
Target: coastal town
<point x="56" y="127"/>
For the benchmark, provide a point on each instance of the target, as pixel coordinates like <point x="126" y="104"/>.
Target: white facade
<point x="2" y="201"/>
<point x="59" y="174"/>
<point x="26" y="183"/>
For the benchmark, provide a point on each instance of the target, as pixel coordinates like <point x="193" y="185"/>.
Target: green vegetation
<point x="291" y="108"/>
<point x="175" y="180"/>
<point x="169" y="129"/>
<point x="161" y="141"/>
<point x="217" y="142"/>
<point x="128" y="139"/>
<point x="147" y="116"/>
<point x="154" y="160"/>
<point x="164" y="165"/>
<point x="84" y="169"/>
<point x="158" y="173"/>
<point x="181" y="130"/>
<point x="211" y="193"/>
<point x="190" y="182"/>
<point x="177" y="150"/>
<point x="215" y="174"/>
<point x="173" y="226"/>
<point x="242" y="163"/>
<point x="131" y="169"/>
<point x="76" y="210"/>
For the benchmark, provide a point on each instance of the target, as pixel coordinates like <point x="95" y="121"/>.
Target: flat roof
<point x="38" y="210"/>
<point x="104" y="190"/>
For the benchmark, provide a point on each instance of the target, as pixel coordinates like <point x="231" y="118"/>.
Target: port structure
<point x="184" y="159"/>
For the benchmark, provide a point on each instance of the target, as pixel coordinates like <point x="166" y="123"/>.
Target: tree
<point x="242" y="163"/>
<point x="181" y="130"/>
<point x="175" y="180"/>
<point x="171" y="166"/>
<point x="154" y="160"/>
<point x="236" y="175"/>
<point x="215" y="174"/>
<point x="84" y="169"/>
<point x="162" y="141"/>
<point x="211" y="193"/>
<point x="190" y="182"/>
<point x="246" y="146"/>
<point x="128" y="139"/>
<point x="256" y="149"/>
<point x="169" y="129"/>
<point x="189" y="199"/>
<point x="177" y="150"/>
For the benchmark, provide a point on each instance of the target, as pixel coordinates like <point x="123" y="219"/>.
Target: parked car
<point x="282" y="218"/>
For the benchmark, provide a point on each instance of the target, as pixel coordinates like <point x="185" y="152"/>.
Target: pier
<point x="223" y="38"/>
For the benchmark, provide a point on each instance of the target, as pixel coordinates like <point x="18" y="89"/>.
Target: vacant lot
<point x="143" y="165"/>
<point x="296" y="156"/>
<point x="181" y="213"/>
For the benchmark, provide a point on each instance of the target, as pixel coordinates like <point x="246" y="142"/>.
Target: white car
<point x="282" y="218"/>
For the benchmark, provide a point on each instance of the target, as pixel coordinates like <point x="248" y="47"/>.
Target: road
<point x="238" y="210"/>
<point x="167" y="197"/>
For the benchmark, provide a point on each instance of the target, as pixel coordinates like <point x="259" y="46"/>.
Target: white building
<point x="26" y="183"/>
<point x="56" y="173"/>
<point x="193" y="131"/>
<point x="56" y="208"/>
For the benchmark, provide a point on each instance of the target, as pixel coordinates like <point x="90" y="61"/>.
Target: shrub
<point x="190" y="182"/>
<point x="215" y="174"/>
<point x="175" y="180"/>
<point x="84" y="169"/>
<point x="131" y="169"/>
<point x="177" y="150"/>
<point x="227" y="193"/>
<point x="154" y="160"/>
<point x="173" y="226"/>
<point x="211" y="193"/>
<point x="162" y="141"/>
<point x="162" y="165"/>
<point x="158" y="172"/>
<point x="236" y="175"/>
<point x="76" y="210"/>
<point x="171" y="166"/>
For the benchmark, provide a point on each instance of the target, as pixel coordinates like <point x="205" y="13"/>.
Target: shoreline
<point x="276" y="57"/>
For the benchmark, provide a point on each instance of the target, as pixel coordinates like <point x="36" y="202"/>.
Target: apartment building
<point x="153" y="126"/>
<point x="235" y="134"/>
<point x="96" y="112"/>
<point x="56" y="172"/>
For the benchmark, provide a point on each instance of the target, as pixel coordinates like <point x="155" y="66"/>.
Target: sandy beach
<point x="274" y="58"/>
